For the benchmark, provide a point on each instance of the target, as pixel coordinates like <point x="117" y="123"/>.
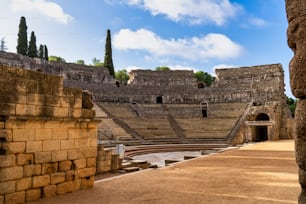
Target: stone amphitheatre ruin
<point x="48" y="135"/>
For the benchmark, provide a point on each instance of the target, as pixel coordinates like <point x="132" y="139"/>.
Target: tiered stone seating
<point x="154" y="122"/>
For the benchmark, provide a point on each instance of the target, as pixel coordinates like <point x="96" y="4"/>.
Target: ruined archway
<point x="261" y="132"/>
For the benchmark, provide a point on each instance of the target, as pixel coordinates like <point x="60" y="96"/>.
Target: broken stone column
<point x="296" y="33"/>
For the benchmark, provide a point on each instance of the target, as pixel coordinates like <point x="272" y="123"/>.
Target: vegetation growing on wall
<point x="162" y="68"/>
<point x="292" y="105"/>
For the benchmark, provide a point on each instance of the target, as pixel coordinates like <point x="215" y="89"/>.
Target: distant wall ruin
<point x="48" y="137"/>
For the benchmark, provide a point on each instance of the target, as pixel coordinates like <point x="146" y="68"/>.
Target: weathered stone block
<point x="24" y="184"/>
<point x="59" y="156"/>
<point x="23" y="159"/>
<point x="67" y="144"/>
<point x="14" y="147"/>
<point x="48" y="168"/>
<point x="79" y="163"/>
<point x="51" y="145"/>
<point x="7" y="109"/>
<point x="81" y="143"/>
<point x="1" y="199"/>
<point x="76" y="184"/>
<point x="33" y="194"/>
<point x="7" y="160"/>
<point x="71" y="175"/>
<point x="92" y="142"/>
<point x="6" y="134"/>
<point x="20" y="135"/>
<point x="60" y="134"/>
<point x="90" y="152"/>
<point x="86" y="172"/>
<point x="75" y="154"/>
<point x="43" y="134"/>
<point x="58" y="178"/>
<point x="34" y="146"/>
<point x="32" y="170"/>
<point x="17" y="197"/>
<point x="73" y="133"/>
<point x="35" y="99"/>
<point x="11" y="173"/>
<point x="49" y="191"/>
<point x="42" y="157"/>
<point x="64" y="166"/>
<point x="15" y="124"/>
<point x="2" y="125"/>
<point x="33" y="124"/>
<point x="87" y="182"/>
<point x="64" y="187"/>
<point x="23" y="109"/>
<point x="91" y="162"/>
<point x="7" y="187"/>
<point x="40" y="181"/>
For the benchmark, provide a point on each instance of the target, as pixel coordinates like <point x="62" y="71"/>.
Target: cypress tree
<point x="32" y="52"/>
<point x="22" y="42"/>
<point x="46" y="56"/>
<point x="41" y="52"/>
<point x="108" y="60"/>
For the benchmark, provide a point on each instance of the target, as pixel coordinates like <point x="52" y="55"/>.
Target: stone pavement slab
<point x="264" y="173"/>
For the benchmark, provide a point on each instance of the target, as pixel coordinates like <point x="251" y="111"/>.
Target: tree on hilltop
<point x="46" y="55"/>
<point x="2" y="45"/>
<point x="56" y="59"/>
<point x="32" y="52"/>
<point x="41" y="52"/>
<point x="204" y="77"/>
<point x="97" y="62"/>
<point x="108" y="59"/>
<point x="162" y="68"/>
<point x="22" y="41"/>
<point x="122" y="76"/>
<point x="80" y="61"/>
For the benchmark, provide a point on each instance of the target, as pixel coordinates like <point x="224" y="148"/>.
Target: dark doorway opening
<point x="261" y="132"/>
<point x="159" y="99"/>
<point x="204" y="113"/>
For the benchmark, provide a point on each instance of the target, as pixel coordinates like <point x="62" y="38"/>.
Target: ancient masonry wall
<point x="297" y="42"/>
<point x="48" y="137"/>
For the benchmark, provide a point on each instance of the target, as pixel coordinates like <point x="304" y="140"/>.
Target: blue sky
<point x="181" y="34"/>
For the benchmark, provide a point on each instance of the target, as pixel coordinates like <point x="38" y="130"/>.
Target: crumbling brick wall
<point x="48" y="137"/>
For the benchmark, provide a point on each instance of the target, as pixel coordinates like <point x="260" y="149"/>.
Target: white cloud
<point x="211" y="46"/>
<point x="192" y="11"/>
<point x="258" y="22"/>
<point x="43" y="7"/>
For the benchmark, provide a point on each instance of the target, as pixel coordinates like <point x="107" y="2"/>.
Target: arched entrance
<point x="261" y="132"/>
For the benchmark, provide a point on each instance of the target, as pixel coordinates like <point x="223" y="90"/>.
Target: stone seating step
<point x="131" y="169"/>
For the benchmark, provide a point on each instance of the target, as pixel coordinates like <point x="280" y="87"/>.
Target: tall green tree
<point x="32" y="52"/>
<point x="108" y="59"/>
<point x="46" y="55"/>
<point x="41" y="53"/>
<point x="22" y="41"/>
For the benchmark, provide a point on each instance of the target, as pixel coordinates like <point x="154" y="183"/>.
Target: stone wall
<point x="296" y="10"/>
<point x="69" y="71"/>
<point x="48" y="137"/>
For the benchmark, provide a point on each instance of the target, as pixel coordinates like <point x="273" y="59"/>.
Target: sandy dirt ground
<point x="264" y="173"/>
